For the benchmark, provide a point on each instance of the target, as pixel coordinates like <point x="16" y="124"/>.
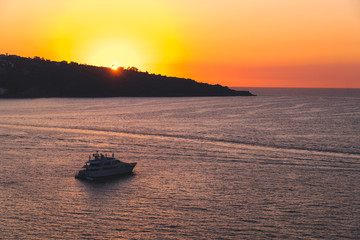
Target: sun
<point x="115" y="53"/>
<point x="114" y="67"/>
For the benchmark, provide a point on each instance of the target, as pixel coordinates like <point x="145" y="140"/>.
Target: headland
<point x="36" y="77"/>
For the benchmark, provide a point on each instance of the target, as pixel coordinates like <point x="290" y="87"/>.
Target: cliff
<point x="36" y="77"/>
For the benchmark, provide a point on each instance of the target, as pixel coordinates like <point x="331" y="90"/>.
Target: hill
<point x="36" y="77"/>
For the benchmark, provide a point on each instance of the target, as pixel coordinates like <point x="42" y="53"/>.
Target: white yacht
<point x="101" y="166"/>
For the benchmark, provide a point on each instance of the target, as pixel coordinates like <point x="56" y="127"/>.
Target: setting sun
<point x="114" y="67"/>
<point x="114" y="52"/>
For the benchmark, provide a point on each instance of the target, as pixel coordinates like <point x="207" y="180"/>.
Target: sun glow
<point x="115" y="53"/>
<point x="114" y="67"/>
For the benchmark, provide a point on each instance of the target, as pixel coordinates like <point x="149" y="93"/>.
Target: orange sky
<point x="249" y="43"/>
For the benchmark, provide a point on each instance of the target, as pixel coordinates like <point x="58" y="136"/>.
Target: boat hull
<point x="105" y="174"/>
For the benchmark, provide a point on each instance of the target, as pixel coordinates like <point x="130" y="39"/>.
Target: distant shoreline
<point x="282" y="91"/>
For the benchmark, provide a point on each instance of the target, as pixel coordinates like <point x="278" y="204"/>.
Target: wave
<point x="213" y="140"/>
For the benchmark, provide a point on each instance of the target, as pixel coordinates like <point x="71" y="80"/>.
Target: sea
<point x="284" y="164"/>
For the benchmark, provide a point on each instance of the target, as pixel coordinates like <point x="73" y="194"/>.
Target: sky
<point x="247" y="43"/>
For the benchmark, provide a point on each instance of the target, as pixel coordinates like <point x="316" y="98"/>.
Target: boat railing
<point x="100" y="156"/>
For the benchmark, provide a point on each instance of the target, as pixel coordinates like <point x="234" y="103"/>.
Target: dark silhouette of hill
<point x="36" y="77"/>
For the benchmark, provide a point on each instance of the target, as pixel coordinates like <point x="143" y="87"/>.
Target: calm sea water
<point x="284" y="164"/>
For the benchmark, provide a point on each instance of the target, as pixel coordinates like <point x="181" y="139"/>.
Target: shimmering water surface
<point x="284" y="164"/>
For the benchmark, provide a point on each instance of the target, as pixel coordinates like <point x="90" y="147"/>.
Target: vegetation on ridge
<point x="37" y="77"/>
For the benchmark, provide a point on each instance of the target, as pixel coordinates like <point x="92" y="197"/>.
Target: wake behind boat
<point x="101" y="166"/>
